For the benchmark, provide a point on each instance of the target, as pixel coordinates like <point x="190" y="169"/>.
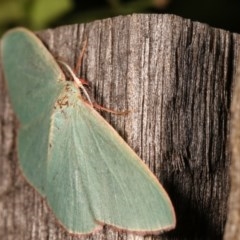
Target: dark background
<point x="41" y="14"/>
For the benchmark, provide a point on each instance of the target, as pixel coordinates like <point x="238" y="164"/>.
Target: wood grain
<point x="232" y="230"/>
<point x="176" y="77"/>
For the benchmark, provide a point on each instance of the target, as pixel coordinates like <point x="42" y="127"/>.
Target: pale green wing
<point x="93" y="175"/>
<point x="71" y="155"/>
<point x="67" y="185"/>
<point x="34" y="81"/>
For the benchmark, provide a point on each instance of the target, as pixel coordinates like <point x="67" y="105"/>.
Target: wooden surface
<point x="232" y="231"/>
<point x="176" y="77"/>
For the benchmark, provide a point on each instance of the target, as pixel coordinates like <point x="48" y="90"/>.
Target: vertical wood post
<point x="176" y="77"/>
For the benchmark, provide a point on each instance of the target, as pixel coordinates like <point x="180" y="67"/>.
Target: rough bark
<point x="176" y="77"/>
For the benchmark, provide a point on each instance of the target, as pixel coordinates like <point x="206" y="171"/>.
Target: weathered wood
<point x="176" y="77"/>
<point x="232" y="231"/>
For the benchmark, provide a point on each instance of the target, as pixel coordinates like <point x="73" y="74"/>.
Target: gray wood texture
<point x="176" y="77"/>
<point x="232" y="230"/>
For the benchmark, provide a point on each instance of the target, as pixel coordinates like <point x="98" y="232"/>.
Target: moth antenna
<point x="77" y="81"/>
<point x="80" y="59"/>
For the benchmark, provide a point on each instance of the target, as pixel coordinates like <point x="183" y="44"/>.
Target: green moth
<point x="87" y="173"/>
